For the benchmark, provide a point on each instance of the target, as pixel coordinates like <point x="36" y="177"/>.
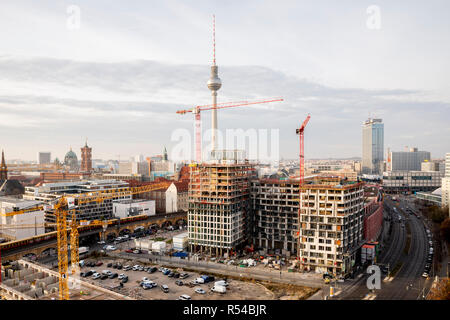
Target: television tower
<point x="214" y="84"/>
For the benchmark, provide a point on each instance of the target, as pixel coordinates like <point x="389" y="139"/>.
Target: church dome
<point x="71" y="159"/>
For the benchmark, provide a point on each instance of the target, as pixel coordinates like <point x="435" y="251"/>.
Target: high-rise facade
<point x="408" y="160"/>
<point x="372" y="146"/>
<point x="86" y="159"/>
<point x="219" y="206"/>
<point x="44" y="157"/>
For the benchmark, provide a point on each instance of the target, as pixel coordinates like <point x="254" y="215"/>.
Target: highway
<point x="408" y="283"/>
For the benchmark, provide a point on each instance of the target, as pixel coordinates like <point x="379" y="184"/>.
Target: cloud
<point x="129" y="108"/>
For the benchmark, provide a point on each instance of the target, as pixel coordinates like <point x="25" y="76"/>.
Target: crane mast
<point x="301" y="132"/>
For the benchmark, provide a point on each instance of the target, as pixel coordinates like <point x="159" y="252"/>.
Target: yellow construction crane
<point x="62" y="210"/>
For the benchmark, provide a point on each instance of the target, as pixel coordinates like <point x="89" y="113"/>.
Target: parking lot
<point x="236" y="290"/>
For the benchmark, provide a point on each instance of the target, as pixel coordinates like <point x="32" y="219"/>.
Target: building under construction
<point x="219" y="205"/>
<point x="331" y="221"/>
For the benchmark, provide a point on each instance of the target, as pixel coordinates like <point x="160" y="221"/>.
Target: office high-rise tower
<point x="372" y="146"/>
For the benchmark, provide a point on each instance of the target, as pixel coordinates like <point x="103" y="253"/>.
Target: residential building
<point x="372" y="146"/>
<point x="331" y="229"/>
<point x="177" y="197"/>
<point x="219" y="206"/>
<point x="171" y="199"/>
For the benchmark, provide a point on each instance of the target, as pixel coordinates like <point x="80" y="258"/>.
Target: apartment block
<point x="331" y="225"/>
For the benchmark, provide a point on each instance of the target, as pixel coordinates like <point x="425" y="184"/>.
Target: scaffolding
<point x="219" y="206"/>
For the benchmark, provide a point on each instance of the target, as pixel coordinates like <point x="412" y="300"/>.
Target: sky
<point x="116" y="73"/>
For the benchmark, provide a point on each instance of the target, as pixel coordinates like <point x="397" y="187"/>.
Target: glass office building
<point x="372" y="146"/>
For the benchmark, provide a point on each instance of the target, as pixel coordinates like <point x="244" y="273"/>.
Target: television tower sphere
<point x="214" y="82"/>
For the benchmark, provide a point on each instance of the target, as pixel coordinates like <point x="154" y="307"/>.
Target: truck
<point x="219" y="289"/>
<point x="83" y="250"/>
<point x="207" y="279"/>
<point x="180" y="254"/>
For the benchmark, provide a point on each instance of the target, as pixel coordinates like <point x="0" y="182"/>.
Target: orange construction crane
<point x="63" y="206"/>
<point x="301" y="132"/>
<point x="196" y="111"/>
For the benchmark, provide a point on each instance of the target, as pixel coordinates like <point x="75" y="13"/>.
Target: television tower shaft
<point x="214" y="84"/>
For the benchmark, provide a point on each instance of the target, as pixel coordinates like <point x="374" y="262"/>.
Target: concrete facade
<point x="408" y="160"/>
<point x="21" y="224"/>
<point x="85" y="211"/>
<point x="411" y="181"/>
<point x="219" y="206"/>
<point x="130" y="208"/>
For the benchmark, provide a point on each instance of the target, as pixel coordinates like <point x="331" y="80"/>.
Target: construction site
<point x="24" y="280"/>
<point x="219" y="206"/>
<point x="316" y="222"/>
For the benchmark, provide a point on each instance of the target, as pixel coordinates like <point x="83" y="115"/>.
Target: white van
<point x="219" y="289"/>
<point x="222" y="283"/>
<point x="199" y="280"/>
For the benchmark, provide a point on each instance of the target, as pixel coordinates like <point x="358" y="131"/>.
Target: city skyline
<point x="125" y="97"/>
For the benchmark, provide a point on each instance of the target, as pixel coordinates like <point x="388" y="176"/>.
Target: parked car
<point x="184" y="297"/>
<point x="176" y="275"/>
<point x="88" y="273"/>
<point x="114" y="266"/>
<point x="137" y="251"/>
<point x="184" y="275"/>
<point x="104" y="276"/>
<point x="124" y="279"/>
<point x="170" y="274"/>
<point x="141" y="268"/>
<point x="146" y="285"/>
<point x="109" y="265"/>
<point x="113" y="275"/>
<point x="179" y="283"/>
<point x="200" y="291"/>
<point x="98" y="264"/>
<point x="119" y="266"/>
<point x="152" y="270"/>
<point x="129" y="251"/>
<point x="166" y="272"/>
<point x="127" y="267"/>
<point x="121" y="276"/>
<point x="164" y="288"/>
<point x="96" y="276"/>
<point x="135" y="267"/>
